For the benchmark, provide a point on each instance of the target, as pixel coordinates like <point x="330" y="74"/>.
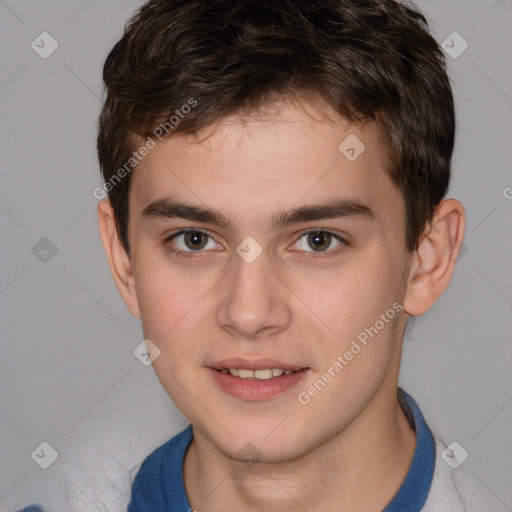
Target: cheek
<point x="158" y="308"/>
<point x="169" y="314"/>
<point x="356" y="306"/>
<point x="173" y="311"/>
<point x="166" y="297"/>
<point x="347" y="301"/>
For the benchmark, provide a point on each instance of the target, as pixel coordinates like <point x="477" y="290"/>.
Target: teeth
<point x="257" y="374"/>
<point x="263" y="374"/>
<point x="245" y="374"/>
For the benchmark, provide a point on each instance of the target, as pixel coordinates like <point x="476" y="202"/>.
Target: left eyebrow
<point x="337" y="208"/>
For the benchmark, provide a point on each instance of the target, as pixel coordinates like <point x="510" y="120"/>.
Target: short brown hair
<point x="370" y="60"/>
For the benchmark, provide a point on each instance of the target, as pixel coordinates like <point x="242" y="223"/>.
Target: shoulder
<point x="161" y="468"/>
<point x="457" y="490"/>
<point x="154" y="464"/>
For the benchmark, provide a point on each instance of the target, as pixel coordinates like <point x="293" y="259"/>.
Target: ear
<point x="434" y="260"/>
<point x="118" y="260"/>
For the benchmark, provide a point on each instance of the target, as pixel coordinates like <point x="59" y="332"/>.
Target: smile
<point x="256" y="374"/>
<point x="256" y="385"/>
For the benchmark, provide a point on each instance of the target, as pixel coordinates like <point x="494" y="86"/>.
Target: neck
<point x="360" y="468"/>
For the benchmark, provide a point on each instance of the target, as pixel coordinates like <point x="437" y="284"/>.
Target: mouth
<point x="256" y="380"/>
<point x="265" y="374"/>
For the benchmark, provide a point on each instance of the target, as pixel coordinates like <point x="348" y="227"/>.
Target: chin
<point x="262" y="447"/>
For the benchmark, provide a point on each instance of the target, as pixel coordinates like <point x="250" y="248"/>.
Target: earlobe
<point x="118" y="260"/>
<point x="435" y="257"/>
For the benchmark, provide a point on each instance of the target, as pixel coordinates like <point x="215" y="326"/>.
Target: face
<point x="298" y="269"/>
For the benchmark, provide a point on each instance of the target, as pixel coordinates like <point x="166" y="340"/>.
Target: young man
<point x="276" y="177"/>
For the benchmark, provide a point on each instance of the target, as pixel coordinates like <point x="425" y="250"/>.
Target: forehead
<point x="249" y="168"/>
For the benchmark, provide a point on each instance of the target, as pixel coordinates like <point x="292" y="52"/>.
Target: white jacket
<point x="457" y="490"/>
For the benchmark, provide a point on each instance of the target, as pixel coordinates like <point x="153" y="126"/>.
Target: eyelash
<point x="189" y="255"/>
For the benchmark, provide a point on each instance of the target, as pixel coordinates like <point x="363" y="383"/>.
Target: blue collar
<point x="413" y="493"/>
<point x="159" y="484"/>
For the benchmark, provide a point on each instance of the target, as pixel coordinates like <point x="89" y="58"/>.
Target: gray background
<point x="68" y="375"/>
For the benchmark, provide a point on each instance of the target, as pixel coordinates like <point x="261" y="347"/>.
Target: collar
<point x="413" y="492"/>
<point x="160" y="483"/>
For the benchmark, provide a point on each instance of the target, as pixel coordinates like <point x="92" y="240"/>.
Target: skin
<point x="351" y="446"/>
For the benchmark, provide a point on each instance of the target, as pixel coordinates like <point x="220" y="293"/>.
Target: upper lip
<point x="254" y="364"/>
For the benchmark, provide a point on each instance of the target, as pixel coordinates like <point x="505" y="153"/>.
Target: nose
<point x="253" y="301"/>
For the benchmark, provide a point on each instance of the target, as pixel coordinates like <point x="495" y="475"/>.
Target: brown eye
<point x="190" y="244"/>
<point x="319" y="240"/>
<point x="318" y="244"/>
<point x="195" y="240"/>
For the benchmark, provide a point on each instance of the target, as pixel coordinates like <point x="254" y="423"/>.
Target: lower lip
<point x="256" y="389"/>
